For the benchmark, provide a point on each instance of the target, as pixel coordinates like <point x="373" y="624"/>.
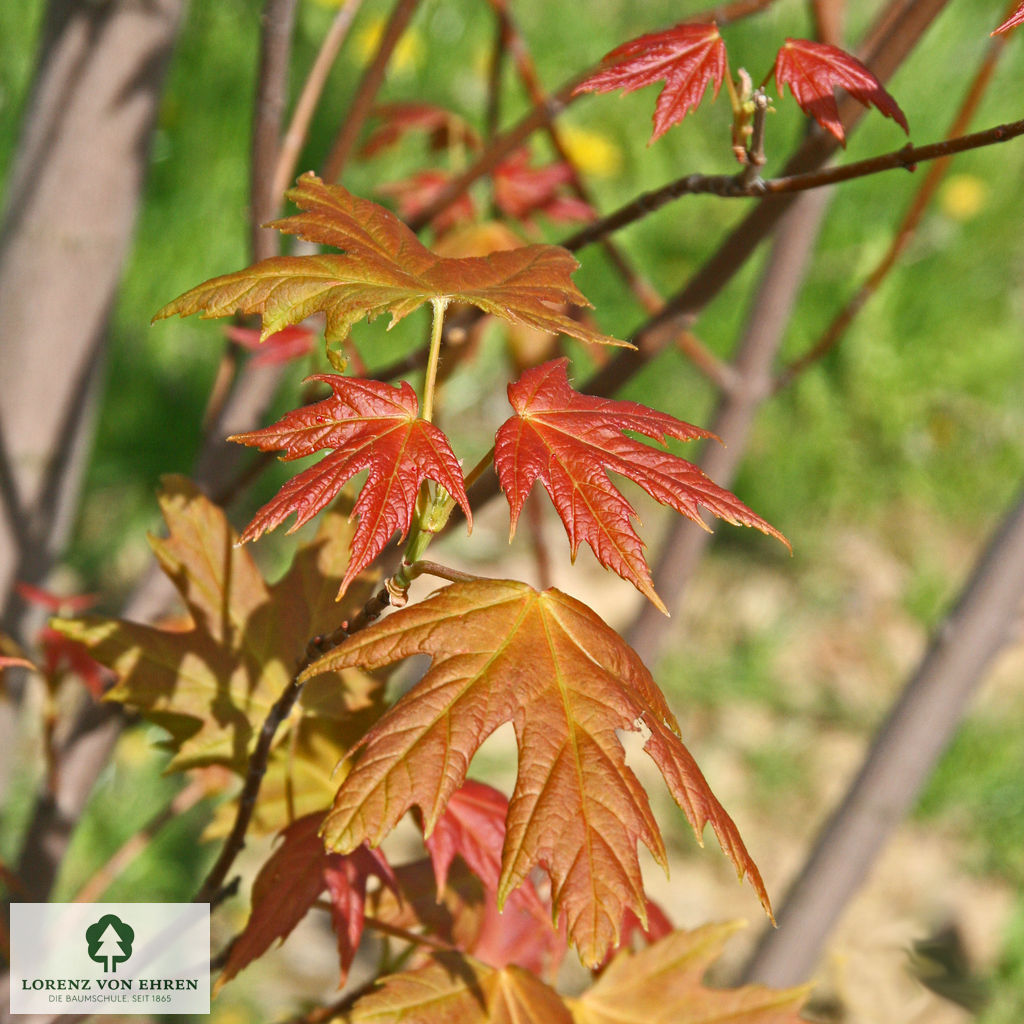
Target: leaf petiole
<point x="440" y="304"/>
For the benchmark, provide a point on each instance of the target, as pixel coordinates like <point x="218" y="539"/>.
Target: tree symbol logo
<point x="110" y="941"/>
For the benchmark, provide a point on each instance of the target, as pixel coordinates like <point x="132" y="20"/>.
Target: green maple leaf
<point x="213" y="682"/>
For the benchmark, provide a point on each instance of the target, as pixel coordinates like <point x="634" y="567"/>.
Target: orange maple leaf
<point x="501" y="652"/>
<point x="385" y="268"/>
<point x="569" y="441"/>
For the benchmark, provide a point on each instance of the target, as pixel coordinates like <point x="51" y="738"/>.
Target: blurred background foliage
<point x="886" y="464"/>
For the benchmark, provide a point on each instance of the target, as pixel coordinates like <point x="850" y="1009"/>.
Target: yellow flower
<point x="963" y="196"/>
<point x="408" y="53"/>
<point x="591" y="152"/>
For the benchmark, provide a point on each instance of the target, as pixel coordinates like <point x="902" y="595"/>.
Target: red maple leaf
<point x="813" y="70"/>
<point x="290" y="882"/>
<point x="281" y="347"/>
<point x="414" y="194"/>
<point x="59" y="652"/>
<point x="366" y="424"/>
<point x="687" y="57"/>
<point x="569" y="441"/>
<point x="1015" y="19"/>
<point x="521" y="190"/>
<point x="473" y="827"/>
<point x="444" y="128"/>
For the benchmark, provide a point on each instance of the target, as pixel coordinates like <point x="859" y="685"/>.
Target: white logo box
<point x="124" y="958"/>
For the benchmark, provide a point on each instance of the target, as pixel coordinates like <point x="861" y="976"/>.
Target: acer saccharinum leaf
<point x="290" y="882"/>
<point x="1015" y="19"/>
<point x="503" y="651"/>
<point x="213" y="682"/>
<point x="385" y="268"/>
<point x="662" y="984"/>
<point x="291" y="343"/>
<point x="521" y="190"/>
<point x="444" y="128"/>
<point x="569" y="441"/>
<point x="687" y="57"/>
<point x="365" y="424"/>
<point x="473" y="828"/>
<point x="813" y="70"/>
<point x="453" y="989"/>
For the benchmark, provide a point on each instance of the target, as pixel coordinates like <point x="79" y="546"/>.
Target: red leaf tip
<point x="813" y="70"/>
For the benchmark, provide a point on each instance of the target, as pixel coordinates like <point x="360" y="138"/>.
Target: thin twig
<point x="323" y="1014"/>
<point x="544" y="112"/>
<point x="255" y="771"/>
<point x="733" y="186"/>
<point x="442" y="572"/>
<point x="298" y="128"/>
<point x="366" y="92"/>
<point x="495" y="75"/>
<point x="258" y="760"/>
<point x="832" y="334"/>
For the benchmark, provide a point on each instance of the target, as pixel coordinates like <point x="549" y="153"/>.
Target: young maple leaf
<point x="662" y="984"/>
<point x="453" y="989"/>
<point x="385" y="268"/>
<point x="521" y="190"/>
<point x="1015" y="19"/>
<point x="569" y="441"/>
<point x="687" y="57"/>
<point x="290" y="882"/>
<point x="416" y="193"/>
<point x="443" y="128"/>
<point x="59" y="653"/>
<point x="291" y="343"/>
<point x="813" y="70"/>
<point x="473" y="827"/>
<point x="501" y="652"/>
<point x="213" y="684"/>
<point x="367" y="424"/>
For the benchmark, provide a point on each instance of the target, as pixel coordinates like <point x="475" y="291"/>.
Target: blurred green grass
<point x="920" y="407"/>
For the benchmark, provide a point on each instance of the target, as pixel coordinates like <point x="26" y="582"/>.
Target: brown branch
<point x="734" y="186"/>
<point x="545" y="111"/>
<point x="271" y="99"/>
<point x="366" y="92"/>
<point x="260" y="757"/>
<point x="298" y="128"/>
<point x="258" y="760"/>
<point x="332" y="1011"/>
<point x="734" y="417"/>
<point x="901" y="758"/>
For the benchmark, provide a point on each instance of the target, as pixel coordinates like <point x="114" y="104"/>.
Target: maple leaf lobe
<point x="385" y="268"/>
<point x="687" y="57"/>
<point x="502" y="651"/>
<point x="812" y="70"/>
<point x="1015" y="19"/>
<point x="365" y="425"/>
<point x="569" y="441"/>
